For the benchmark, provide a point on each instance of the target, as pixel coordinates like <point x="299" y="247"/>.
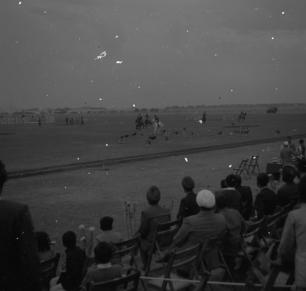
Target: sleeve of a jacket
<point x="27" y="250"/>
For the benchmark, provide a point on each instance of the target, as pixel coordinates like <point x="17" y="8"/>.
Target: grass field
<point x="62" y="201"/>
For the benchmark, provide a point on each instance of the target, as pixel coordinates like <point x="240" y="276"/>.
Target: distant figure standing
<point x="82" y="120"/>
<point x="286" y="154"/>
<point x="39" y="121"/>
<point x="301" y="150"/>
<point x="139" y="122"/>
<point x="204" y="118"/>
<point x="157" y="125"/>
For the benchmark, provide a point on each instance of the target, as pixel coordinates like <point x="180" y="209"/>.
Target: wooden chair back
<point x="48" y="270"/>
<point x="127" y="283"/>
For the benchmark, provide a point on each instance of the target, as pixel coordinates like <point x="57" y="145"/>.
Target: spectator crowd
<point x="226" y="216"/>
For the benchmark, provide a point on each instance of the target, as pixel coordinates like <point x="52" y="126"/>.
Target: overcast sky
<point x="169" y="52"/>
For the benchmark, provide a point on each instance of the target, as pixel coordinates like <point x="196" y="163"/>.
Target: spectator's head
<point x="262" y="180"/>
<point x="301" y="141"/>
<point x="286" y="144"/>
<point x="231" y="180"/>
<point x="289" y="174"/>
<point x="187" y="184"/>
<point x="302" y="167"/>
<point x="223" y="183"/>
<point x="238" y="180"/>
<point x="302" y="189"/>
<point x="3" y="175"/>
<point x="43" y="241"/>
<point x="106" y="223"/>
<point x="276" y="176"/>
<point x="153" y="195"/>
<point x="206" y="199"/>
<point x="69" y="240"/>
<point x="103" y="253"/>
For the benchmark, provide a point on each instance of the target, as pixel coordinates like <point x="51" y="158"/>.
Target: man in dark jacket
<point x="232" y="195"/>
<point x="150" y="217"/>
<point x="246" y="199"/>
<point x="188" y="205"/>
<point x="288" y="193"/>
<point x="266" y="200"/>
<point x="71" y="278"/>
<point x="19" y="263"/>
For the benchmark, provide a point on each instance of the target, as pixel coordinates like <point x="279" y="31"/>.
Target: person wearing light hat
<point x="202" y="226"/>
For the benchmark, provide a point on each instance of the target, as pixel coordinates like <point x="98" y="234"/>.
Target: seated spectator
<point x="286" y="154"/>
<point x="188" y="205"/>
<point x="288" y="193"/>
<point x="202" y="227"/>
<point x="45" y="252"/>
<point x="149" y="218"/>
<point x="102" y="270"/>
<point x="235" y="226"/>
<point x="234" y="197"/>
<point x="266" y="200"/>
<point x="108" y="234"/>
<point x="246" y="199"/>
<point x="71" y="277"/>
<point x="292" y="248"/>
<point x="19" y="262"/>
<point x="275" y="181"/>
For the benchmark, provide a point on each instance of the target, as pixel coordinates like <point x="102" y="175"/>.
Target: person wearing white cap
<point x="202" y="226"/>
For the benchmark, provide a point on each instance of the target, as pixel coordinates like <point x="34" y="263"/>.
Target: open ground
<point x="62" y="201"/>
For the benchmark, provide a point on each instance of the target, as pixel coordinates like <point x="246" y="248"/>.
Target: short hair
<point x="223" y="183"/>
<point x="69" y="239"/>
<point x="231" y="180"/>
<point x="153" y="195"/>
<point x="289" y="173"/>
<point x="301" y="141"/>
<point x="262" y="179"/>
<point x="106" y="223"/>
<point x="188" y="183"/>
<point x="238" y="180"/>
<point x="302" y="189"/>
<point x="3" y="175"/>
<point x="103" y="252"/>
<point x="43" y="241"/>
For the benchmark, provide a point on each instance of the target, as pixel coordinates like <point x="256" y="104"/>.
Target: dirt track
<point x="144" y="157"/>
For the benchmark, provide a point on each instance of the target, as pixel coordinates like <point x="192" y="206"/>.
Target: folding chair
<point x="127" y="249"/>
<point x="276" y="270"/>
<point x="242" y="167"/>
<point x="154" y="226"/>
<point x="48" y="271"/>
<point x="127" y="283"/>
<point x="253" y="164"/>
<point x="183" y="262"/>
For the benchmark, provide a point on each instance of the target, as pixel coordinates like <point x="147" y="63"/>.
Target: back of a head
<point x="43" y="241"/>
<point x="188" y="183"/>
<point x="302" y="189"/>
<point x="103" y="253"/>
<point x="106" y="223"/>
<point x="231" y="180"/>
<point x="3" y="175"/>
<point x="206" y="199"/>
<point x="262" y="179"/>
<point x="238" y="180"/>
<point x="301" y="141"/>
<point x="69" y="239"/>
<point x="153" y="195"/>
<point x="289" y="173"/>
